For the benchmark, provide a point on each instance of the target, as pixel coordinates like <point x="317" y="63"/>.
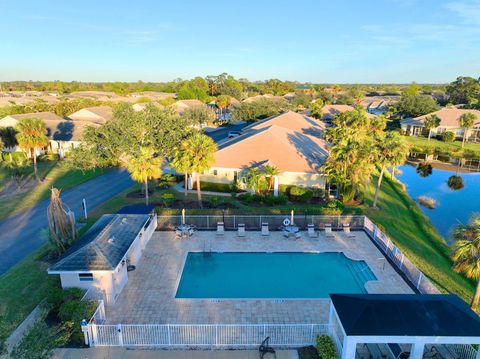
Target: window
<point x="85" y="277"/>
<point x="215" y="172"/>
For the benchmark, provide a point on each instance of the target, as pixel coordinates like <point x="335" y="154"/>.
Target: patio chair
<point x="346" y="230"/>
<point x="220" y="229"/>
<point x="311" y="231"/>
<point x="442" y="351"/>
<point x="328" y="230"/>
<point x="265" y="231"/>
<point x="241" y="230"/>
<point x="298" y="235"/>
<point x="265" y="348"/>
<point x="397" y="352"/>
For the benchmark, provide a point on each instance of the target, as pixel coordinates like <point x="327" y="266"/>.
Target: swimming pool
<point x="271" y="275"/>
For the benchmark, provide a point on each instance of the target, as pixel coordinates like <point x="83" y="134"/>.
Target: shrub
<point x="302" y="194"/>
<point x="326" y="347"/>
<point x="333" y="208"/>
<point x="167" y="198"/>
<point x="281" y="199"/>
<point x="448" y="136"/>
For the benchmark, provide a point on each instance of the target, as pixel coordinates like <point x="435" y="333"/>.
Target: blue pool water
<point x="271" y="275"/>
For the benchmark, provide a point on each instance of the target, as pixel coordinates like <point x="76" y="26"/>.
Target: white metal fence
<point x="414" y="275"/>
<point x="207" y="335"/>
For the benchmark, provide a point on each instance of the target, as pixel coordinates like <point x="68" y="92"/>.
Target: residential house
<point x="97" y="114"/>
<point x="153" y="95"/>
<point x="63" y="134"/>
<point x="140" y="106"/>
<point x="101" y="259"/>
<point x="449" y="121"/>
<point x="330" y="111"/>
<point x="291" y="142"/>
<point x="181" y="105"/>
<point x="263" y="97"/>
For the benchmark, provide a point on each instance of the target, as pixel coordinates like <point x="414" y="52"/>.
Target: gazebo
<point x="417" y="325"/>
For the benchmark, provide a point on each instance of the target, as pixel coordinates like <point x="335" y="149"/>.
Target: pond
<point x="452" y="206"/>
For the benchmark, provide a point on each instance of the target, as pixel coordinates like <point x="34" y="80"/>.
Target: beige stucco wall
<point x="226" y="176"/>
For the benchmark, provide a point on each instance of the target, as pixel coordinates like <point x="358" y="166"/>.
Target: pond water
<point x="453" y="206"/>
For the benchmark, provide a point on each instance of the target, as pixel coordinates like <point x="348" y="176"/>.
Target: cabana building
<point x="100" y="259"/>
<point x="411" y="326"/>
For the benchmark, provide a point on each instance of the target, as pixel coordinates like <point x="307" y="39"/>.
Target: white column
<point x="416" y="351"/>
<point x="189" y="182"/>
<point x="349" y="348"/>
<point x="275" y="186"/>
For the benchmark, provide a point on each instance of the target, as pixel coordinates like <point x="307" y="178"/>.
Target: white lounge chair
<point x="220" y="229"/>
<point x="328" y="230"/>
<point x="241" y="230"/>
<point x="265" y="231"/>
<point x="311" y="231"/>
<point x="346" y="230"/>
<point x="298" y="235"/>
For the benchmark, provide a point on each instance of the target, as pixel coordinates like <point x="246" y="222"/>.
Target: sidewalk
<point x="180" y="188"/>
<point x="122" y="353"/>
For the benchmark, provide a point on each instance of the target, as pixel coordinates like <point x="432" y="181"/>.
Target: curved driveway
<point x="23" y="233"/>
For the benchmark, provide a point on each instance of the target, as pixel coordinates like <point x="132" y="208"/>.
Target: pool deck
<point x="149" y="295"/>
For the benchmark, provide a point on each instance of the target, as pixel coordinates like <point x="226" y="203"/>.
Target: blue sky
<point x="317" y="41"/>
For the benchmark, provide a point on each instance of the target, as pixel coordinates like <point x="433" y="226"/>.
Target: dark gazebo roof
<point x="430" y="315"/>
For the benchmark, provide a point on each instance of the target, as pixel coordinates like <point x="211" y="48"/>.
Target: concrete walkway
<point x="21" y="234"/>
<point x="180" y="188"/>
<point x="121" y="353"/>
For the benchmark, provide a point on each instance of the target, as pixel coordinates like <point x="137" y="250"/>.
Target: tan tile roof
<point x="263" y="97"/>
<point x="448" y="116"/>
<point x="329" y="111"/>
<point x="292" y="121"/>
<point x="141" y="106"/>
<point x="58" y="129"/>
<point x="97" y="114"/>
<point x="288" y="150"/>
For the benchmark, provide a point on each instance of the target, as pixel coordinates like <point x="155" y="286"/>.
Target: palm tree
<point x="424" y="169"/>
<point x="466" y="121"/>
<point x="255" y="179"/>
<point x="270" y="172"/>
<point x="9" y="138"/>
<point x="391" y="151"/>
<point x="466" y="253"/>
<point x="181" y="163"/>
<point x="431" y="122"/>
<point x="197" y="152"/>
<point x="31" y="136"/>
<point x="222" y="102"/>
<point x="61" y="223"/>
<point x="143" y="166"/>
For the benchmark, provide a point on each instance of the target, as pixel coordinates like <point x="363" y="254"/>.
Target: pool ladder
<point x="205" y="252"/>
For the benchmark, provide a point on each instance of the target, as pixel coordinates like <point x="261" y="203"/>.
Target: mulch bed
<point x="308" y="353"/>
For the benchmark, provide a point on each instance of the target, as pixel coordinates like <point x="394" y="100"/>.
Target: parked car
<point x="232" y="134"/>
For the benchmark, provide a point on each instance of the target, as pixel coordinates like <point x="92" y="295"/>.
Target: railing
<point x="254" y="222"/>
<point x="99" y="316"/>
<point x="414" y="275"/>
<point x="227" y="336"/>
<point x="463" y="351"/>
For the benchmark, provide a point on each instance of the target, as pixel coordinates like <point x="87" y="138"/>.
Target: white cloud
<point x="468" y="11"/>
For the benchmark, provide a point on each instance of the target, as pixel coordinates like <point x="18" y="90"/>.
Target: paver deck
<point x="149" y="295"/>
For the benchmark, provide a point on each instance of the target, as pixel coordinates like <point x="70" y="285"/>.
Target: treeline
<point x="211" y="85"/>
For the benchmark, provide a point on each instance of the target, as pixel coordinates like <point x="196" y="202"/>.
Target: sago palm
<point x="31" y="136"/>
<point x="144" y="166"/>
<point x="466" y="253"/>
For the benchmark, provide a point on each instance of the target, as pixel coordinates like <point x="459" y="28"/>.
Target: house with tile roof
<point x="330" y="111"/>
<point x="291" y="142"/>
<point x="103" y="256"/>
<point x="63" y="134"/>
<point x="96" y="114"/>
<point x="181" y="105"/>
<point x="449" y="121"/>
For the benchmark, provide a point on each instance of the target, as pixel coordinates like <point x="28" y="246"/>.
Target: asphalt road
<point x="23" y="233"/>
<point x="222" y="132"/>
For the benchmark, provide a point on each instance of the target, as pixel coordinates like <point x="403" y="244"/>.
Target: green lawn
<point x="422" y="144"/>
<point x="413" y="233"/>
<point x="53" y="174"/>
<point x="22" y="288"/>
